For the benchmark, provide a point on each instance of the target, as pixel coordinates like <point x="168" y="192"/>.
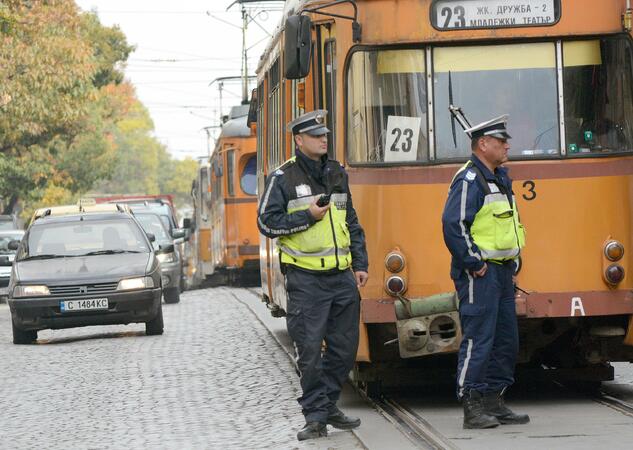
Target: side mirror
<point x="298" y="47"/>
<point x="151" y="237"/>
<point x="13" y="245"/>
<point x="186" y="222"/>
<point x="178" y="233"/>
<point x="169" y="248"/>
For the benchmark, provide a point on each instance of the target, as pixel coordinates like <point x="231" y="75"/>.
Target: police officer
<point x="484" y="236"/>
<point x="322" y="253"/>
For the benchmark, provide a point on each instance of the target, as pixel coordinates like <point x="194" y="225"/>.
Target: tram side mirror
<point x="186" y="222"/>
<point x="298" y="47"/>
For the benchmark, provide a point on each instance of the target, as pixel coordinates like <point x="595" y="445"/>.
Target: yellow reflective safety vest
<point x="326" y="244"/>
<point x="497" y="230"/>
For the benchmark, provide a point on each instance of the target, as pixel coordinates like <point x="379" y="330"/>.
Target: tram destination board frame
<point x="451" y="15"/>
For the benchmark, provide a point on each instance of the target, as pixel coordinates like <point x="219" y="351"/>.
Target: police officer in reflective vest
<point x="322" y="253"/>
<point x="484" y="236"/>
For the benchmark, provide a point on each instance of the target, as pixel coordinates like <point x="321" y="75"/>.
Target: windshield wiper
<point x="43" y="256"/>
<point x="108" y="252"/>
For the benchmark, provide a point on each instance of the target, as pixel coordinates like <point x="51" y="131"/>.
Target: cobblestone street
<point x="215" y="379"/>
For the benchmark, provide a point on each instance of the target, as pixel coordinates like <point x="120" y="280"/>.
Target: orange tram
<point x="223" y="248"/>
<point x="387" y="71"/>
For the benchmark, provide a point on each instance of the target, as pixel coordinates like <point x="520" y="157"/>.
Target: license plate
<point x="83" y="305"/>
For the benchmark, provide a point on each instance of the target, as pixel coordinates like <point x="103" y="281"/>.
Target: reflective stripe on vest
<point x="323" y="246"/>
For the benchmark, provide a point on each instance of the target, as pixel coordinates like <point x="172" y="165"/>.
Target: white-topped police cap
<point x="494" y="127"/>
<point x="312" y="123"/>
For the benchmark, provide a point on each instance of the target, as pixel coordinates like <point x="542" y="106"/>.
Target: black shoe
<point x="494" y="405"/>
<point x="312" y="430"/>
<point x="474" y="415"/>
<point x="337" y="419"/>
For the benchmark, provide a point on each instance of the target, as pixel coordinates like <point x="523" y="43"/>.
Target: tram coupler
<point x="428" y="325"/>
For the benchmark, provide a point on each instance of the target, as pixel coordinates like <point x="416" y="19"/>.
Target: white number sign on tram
<point x="463" y="14"/>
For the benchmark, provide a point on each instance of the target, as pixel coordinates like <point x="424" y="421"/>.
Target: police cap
<point x="312" y="123"/>
<point x="494" y="127"/>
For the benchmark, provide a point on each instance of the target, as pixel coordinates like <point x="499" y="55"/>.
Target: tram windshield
<point x="487" y="81"/>
<point x="248" y="180"/>
<point x="598" y="84"/>
<point x="387" y="99"/>
<point x="387" y="107"/>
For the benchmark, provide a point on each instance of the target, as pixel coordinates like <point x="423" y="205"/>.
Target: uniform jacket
<point x="465" y="199"/>
<point x="302" y="177"/>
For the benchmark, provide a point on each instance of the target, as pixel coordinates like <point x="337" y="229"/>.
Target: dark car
<point x="168" y="255"/>
<point x="84" y="269"/>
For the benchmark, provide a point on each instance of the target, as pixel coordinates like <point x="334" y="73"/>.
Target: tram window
<point x="248" y="179"/>
<point x="230" y="170"/>
<point x="273" y="129"/>
<point x="598" y="89"/>
<point x="387" y="107"/>
<point x="261" y="121"/>
<point x="487" y="81"/>
<point x="330" y="93"/>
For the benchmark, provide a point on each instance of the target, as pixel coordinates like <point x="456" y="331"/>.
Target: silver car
<point x="7" y="256"/>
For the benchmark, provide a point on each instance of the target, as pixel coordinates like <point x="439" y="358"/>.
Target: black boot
<point x="494" y="405"/>
<point x="312" y="430"/>
<point x="339" y="420"/>
<point x="474" y="415"/>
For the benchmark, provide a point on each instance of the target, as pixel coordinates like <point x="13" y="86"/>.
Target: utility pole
<point x="246" y="19"/>
<point x="244" y="57"/>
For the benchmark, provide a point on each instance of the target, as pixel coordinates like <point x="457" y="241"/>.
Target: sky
<point x="181" y="47"/>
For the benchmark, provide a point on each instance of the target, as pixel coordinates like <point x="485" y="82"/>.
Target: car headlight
<point x="30" y="291"/>
<point x="166" y="257"/>
<point x="135" y="283"/>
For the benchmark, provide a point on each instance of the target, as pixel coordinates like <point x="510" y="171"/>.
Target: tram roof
<point x="236" y="125"/>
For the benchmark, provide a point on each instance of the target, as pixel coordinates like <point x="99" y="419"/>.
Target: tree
<point x="46" y="68"/>
<point x="58" y="100"/>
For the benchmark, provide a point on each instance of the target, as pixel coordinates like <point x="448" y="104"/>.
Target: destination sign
<point x="470" y="14"/>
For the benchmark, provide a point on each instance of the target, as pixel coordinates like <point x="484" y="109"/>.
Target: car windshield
<point x="6" y="225"/>
<point x="152" y="223"/>
<point x="163" y="210"/>
<point x="83" y="237"/>
<point x="6" y="238"/>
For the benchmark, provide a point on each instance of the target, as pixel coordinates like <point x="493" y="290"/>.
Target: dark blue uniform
<point x="322" y="305"/>
<point x="489" y="347"/>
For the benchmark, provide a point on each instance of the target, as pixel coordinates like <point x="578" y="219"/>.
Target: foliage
<point x="46" y="68"/>
<point x="69" y="123"/>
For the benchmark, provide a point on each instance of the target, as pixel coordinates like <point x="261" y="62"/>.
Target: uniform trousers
<point x="490" y="341"/>
<point x="322" y="307"/>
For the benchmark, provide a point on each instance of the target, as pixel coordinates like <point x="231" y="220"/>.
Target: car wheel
<point x="171" y="295"/>
<point x="22" y="336"/>
<point x="155" y="326"/>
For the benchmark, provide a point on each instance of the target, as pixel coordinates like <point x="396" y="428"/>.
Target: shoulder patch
<point x="278" y="172"/>
<point x="470" y="175"/>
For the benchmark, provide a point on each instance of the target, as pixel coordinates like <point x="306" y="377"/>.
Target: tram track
<point x="614" y="403"/>
<point x="411" y="424"/>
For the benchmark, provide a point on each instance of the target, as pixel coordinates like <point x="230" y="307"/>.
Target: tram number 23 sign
<point x="403" y="134"/>
<point x="474" y="14"/>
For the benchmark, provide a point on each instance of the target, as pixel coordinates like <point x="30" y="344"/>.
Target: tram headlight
<point x="394" y="262"/>
<point x="614" y="274"/>
<point x="614" y="251"/>
<point x="395" y="285"/>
